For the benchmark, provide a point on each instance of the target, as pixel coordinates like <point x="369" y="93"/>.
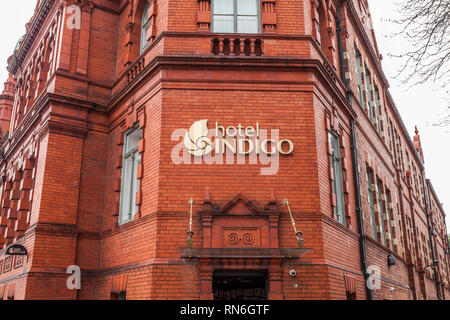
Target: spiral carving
<point x="236" y="239"/>
<point x="233" y="238"/>
<point x="248" y="238"/>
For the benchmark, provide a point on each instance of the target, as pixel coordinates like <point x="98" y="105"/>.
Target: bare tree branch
<point x="425" y="24"/>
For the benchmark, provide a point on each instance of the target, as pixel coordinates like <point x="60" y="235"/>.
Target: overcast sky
<point x="421" y="105"/>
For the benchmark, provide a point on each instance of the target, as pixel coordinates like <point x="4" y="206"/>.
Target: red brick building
<point x="99" y="90"/>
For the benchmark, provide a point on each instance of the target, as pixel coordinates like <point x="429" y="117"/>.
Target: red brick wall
<point x="103" y="86"/>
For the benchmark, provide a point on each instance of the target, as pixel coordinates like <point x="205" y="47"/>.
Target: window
<point x="130" y="183"/>
<point x="390" y="219"/>
<point x="391" y="140"/>
<point x="337" y="179"/>
<point x="369" y="94"/>
<point x="381" y="211"/>
<point x="144" y="27"/>
<point x="378" y="108"/>
<point x="236" y="16"/>
<point x="359" y="75"/>
<point x="384" y="198"/>
<point x="371" y="201"/>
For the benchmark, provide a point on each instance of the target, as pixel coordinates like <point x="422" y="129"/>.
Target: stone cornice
<point x="6" y="97"/>
<point x="36" y="114"/>
<point x="30" y="36"/>
<point x="241" y="62"/>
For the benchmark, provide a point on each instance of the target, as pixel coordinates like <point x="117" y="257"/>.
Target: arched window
<point x="144" y="27"/>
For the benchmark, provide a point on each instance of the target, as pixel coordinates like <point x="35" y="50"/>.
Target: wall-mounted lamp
<point x="190" y="233"/>
<point x="298" y="234"/>
<point x="434" y="265"/>
<point x="391" y="260"/>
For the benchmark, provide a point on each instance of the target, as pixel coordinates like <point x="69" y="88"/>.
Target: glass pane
<point x="144" y="26"/>
<point x="223" y="7"/>
<point x="380" y="208"/>
<point x="132" y="139"/>
<point x="247" y="24"/>
<point x="135" y="182"/>
<point x="339" y="191"/>
<point x="224" y="24"/>
<point x="335" y="145"/>
<point x="126" y="189"/>
<point x="247" y="7"/>
<point x="145" y="14"/>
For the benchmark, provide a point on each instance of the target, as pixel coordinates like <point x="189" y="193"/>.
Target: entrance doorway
<point x="240" y="285"/>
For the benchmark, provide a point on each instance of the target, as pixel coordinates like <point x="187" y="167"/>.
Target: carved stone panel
<point x="248" y="237"/>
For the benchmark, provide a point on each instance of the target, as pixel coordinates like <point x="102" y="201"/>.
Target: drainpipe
<point x="362" y="244"/>
<point x="354" y="150"/>
<point x="430" y="234"/>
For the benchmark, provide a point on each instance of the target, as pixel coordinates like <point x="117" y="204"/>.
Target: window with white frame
<point x="130" y="184"/>
<point x="235" y="16"/>
<point x="337" y="179"/>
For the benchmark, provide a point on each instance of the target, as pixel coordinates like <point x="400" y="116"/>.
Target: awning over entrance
<point x="259" y="253"/>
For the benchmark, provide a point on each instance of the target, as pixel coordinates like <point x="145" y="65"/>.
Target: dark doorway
<point x="240" y="285"/>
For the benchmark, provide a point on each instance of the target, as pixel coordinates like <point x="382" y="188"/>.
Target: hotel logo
<point x="230" y="145"/>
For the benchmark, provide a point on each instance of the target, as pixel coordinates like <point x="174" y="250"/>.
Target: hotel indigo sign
<point x="230" y="145"/>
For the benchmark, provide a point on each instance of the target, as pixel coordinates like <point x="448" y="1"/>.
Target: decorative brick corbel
<point x="331" y="41"/>
<point x="345" y="164"/>
<point x="26" y="196"/>
<point x="329" y="126"/>
<point x="129" y="29"/>
<point x="152" y="11"/>
<point x="141" y="116"/>
<point x="139" y="176"/>
<point x="118" y="173"/>
<point x="131" y="116"/>
<point x="204" y="15"/>
<point x="268" y="16"/>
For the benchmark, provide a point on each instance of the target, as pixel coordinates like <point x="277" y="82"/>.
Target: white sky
<point x="419" y="106"/>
